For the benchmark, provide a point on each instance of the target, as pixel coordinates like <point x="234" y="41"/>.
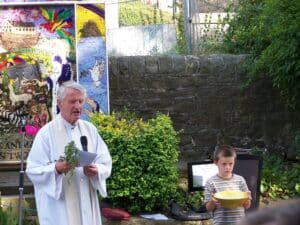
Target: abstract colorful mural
<point x="38" y="52"/>
<point x="38" y="1"/>
<point x="91" y="52"/>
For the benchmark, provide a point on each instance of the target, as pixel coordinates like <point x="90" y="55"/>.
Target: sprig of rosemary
<point x="72" y="156"/>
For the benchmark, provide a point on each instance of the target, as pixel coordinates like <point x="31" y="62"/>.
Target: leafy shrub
<point x="144" y="174"/>
<point x="186" y="199"/>
<point x="268" y="30"/>
<point x="9" y="213"/>
<point x="180" y="33"/>
<point x="138" y="13"/>
<point x="297" y="144"/>
<point x="7" y="216"/>
<point x="280" y="179"/>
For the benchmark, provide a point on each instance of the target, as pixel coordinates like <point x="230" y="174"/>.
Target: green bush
<point x="280" y="178"/>
<point x="181" y="47"/>
<point x="268" y="30"/>
<point x="9" y="213"/>
<point x="138" y="14"/>
<point x="7" y="217"/>
<point x="297" y="144"/>
<point x="145" y="154"/>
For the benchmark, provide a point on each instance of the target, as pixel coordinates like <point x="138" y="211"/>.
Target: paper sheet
<point x="156" y="216"/>
<point x="86" y="158"/>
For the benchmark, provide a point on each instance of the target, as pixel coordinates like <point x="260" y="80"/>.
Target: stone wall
<point x="205" y="98"/>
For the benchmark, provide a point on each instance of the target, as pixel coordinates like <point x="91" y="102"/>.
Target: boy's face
<point x="225" y="166"/>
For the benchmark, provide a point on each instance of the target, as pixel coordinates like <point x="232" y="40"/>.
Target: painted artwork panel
<point x="36" y="1"/>
<point x="37" y="53"/>
<point x="92" y="56"/>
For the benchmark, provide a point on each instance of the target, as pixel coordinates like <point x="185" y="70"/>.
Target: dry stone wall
<point x="206" y="100"/>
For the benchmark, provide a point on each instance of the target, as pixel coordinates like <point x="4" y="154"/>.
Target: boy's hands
<point x="247" y="203"/>
<point x="212" y="204"/>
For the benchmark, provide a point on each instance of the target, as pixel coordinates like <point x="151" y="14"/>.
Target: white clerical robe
<point x="49" y="186"/>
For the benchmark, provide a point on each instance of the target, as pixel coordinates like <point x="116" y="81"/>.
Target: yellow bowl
<point x="231" y="199"/>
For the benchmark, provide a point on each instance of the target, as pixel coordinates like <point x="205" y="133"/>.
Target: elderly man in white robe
<point x="62" y="198"/>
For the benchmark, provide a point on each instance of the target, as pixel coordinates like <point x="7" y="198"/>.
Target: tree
<point x="269" y="31"/>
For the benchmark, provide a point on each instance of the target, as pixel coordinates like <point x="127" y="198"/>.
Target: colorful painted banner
<point x="42" y="46"/>
<point x="39" y="1"/>
<point x="92" y="57"/>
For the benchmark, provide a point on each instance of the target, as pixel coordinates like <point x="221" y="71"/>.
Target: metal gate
<point x="205" y="22"/>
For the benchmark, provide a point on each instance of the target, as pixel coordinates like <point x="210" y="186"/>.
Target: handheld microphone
<point x="84" y="143"/>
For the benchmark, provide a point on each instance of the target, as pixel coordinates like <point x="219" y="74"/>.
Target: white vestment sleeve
<point x="41" y="168"/>
<point x="104" y="164"/>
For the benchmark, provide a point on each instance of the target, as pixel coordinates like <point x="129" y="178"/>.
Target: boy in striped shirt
<point x="225" y="180"/>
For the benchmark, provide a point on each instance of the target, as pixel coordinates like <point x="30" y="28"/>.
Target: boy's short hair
<point x="224" y="151"/>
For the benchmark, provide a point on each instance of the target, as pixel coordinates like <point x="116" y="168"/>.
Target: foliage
<point x="268" y="30"/>
<point x="208" y="46"/>
<point x="7" y="217"/>
<point x="186" y="199"/>
<point x="180" y="33"/>
<point x="137" y="14"/>
<point x="211" y="39"/>
<point x="195" y="198"/>
<point x="144" y="175"/>
<point x="72" y="156"/>
<point x="297" y="144"/>
<point x="280" y="179"/>
<point x="140" y="14"/>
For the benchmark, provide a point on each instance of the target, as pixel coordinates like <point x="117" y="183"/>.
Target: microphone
<point x="84" y="143"/>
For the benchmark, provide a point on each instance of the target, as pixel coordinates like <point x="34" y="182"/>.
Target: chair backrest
<point x="250" y="166"/>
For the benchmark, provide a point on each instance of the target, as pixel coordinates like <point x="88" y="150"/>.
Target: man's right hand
<point x="62" y="167"/>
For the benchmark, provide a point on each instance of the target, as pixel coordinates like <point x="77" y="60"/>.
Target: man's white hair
<point x="70" y="84"/>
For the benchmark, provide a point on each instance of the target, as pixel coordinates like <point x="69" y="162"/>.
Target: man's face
<point x="71" y="105"/>
<point x="225" y="166"/>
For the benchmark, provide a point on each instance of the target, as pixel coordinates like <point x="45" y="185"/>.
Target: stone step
<point x="9" y="183"/>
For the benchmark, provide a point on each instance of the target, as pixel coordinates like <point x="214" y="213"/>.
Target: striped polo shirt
<point x="222" y="216"/>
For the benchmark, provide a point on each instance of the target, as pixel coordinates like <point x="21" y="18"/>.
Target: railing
<point x="208" y="27"/>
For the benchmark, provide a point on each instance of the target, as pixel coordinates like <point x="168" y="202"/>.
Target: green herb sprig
<point x="72" y="156"/>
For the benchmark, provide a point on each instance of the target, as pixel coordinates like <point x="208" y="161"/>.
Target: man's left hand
<point x="90" y="170"/>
